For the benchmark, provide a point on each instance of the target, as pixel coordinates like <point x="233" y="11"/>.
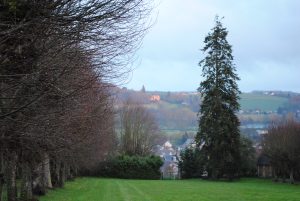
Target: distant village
<point x="254" y="122"/>
<point x="171" y="157"/>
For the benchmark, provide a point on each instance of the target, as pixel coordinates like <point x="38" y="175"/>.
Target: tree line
<point x="281" y="146"/>
<point x="133" y="155"/>
<point x="58" y="58"/>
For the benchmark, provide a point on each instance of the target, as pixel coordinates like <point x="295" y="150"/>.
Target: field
<point x="93" y="189"/>
<point x="265" y="103"/>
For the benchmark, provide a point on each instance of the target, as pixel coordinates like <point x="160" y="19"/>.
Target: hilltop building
<point x="155" y="98"/>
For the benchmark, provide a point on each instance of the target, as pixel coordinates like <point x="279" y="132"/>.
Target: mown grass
<point x="94" y="189"/>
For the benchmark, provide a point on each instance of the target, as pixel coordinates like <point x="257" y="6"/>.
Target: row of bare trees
<point x="139" y="130"/>
<point x="281" y="145"/>
<point x="57" y="59"/>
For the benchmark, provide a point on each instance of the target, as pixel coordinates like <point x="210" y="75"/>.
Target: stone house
<point x="169" y="169"/>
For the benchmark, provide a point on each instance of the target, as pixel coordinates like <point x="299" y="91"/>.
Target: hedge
<point x="130" y="167"/>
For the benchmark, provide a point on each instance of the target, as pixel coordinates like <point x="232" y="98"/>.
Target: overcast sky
<point x="265" y="35"/>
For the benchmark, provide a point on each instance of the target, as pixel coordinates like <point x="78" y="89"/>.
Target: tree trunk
<point x="55" y="167"/>
<point x="1" y="185"/>
<point x="230" y="177"/>
<point x="275" y="175"/>
<point x="42" y="181"/>
<point x="292" y="181"/>
<point x="62" y="175"/>
<point x="68" y="172"/>
<point x="75" y="171"/>
<point x="72" y="172"/>
<point x="46" y="173"/>
<point x="26" y="183"/>
<point x="11" y="168"/>
<point x="1" y="174"/>
<point x="283" y="178"/>
<point x="214" y="175"/>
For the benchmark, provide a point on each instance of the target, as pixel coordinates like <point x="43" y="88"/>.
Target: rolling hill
<point x="176" y="112"/>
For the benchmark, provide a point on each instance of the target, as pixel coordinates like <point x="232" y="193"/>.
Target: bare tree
<point x="281" y="144"/>
<point x="57" y="57"/>
<point x="138" y="129"/>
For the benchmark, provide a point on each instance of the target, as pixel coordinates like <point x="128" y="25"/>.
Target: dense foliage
<point x="130" y="167"/>
<point x="248" y="157"/>
<point x="191" y="163"/>
<point x="219" y="134"/>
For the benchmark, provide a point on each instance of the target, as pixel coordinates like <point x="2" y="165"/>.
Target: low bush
<point x="130" y="167"/>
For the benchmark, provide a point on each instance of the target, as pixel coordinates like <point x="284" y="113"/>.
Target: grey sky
<point x="265" y="35"/>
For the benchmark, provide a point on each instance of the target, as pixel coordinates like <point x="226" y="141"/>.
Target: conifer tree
<point x="143" y="90"/>
<point x="218" y="134"/>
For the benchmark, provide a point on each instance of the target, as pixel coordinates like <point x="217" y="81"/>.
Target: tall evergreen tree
<point x="143" y="90"/>
<point x="218" y="134"/>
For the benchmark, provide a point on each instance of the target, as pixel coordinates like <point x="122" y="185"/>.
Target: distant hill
<point x="262" y="102"/>
<point x="178" y="110"/>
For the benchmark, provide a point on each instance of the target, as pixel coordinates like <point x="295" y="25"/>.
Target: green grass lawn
<point x="94" y="189"/>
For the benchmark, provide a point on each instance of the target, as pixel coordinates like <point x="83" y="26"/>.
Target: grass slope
<point x="93" y="189"/>
<point x="250" y="101"/>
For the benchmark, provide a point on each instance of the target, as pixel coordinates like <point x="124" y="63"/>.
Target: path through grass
<point x="93" y="189"/>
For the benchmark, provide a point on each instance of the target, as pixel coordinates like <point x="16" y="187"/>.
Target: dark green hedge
<point x="131" y="167"/>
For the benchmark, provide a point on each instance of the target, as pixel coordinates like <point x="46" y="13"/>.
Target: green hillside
<point x="177" y="111"/>
<point x="251" y="101"/>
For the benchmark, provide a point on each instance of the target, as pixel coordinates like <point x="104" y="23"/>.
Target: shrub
<point x="130" y="167"/>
